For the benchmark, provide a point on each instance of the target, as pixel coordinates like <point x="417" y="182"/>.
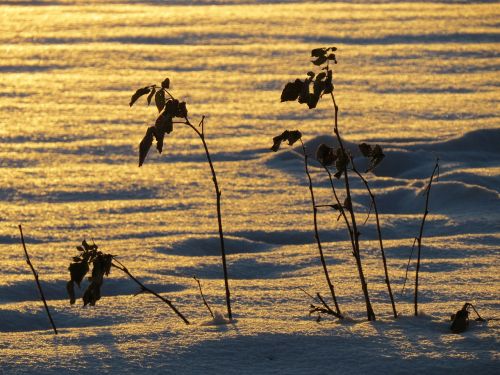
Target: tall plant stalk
<point x="379" y="234"/>
<point x="316" y="231"/>
<point x="369" y="309"/>
<point x="35" y="275"/>
<point x="420" y="234"/>
<point x="218" y="193"/>
<point x="171" y="108"/>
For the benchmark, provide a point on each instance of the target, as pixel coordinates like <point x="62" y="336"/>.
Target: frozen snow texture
<point x="420" y="78"/>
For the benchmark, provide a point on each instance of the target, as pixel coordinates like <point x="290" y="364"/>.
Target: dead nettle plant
<point x="291" y="137"/>
<point x="309" y="91"/>
<point x="90" y="258"/>
<point x="170" y="109"/>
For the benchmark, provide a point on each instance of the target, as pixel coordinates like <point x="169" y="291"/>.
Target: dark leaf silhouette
<point x="172" y="107"/>
<point x="320" y="60"/>
<point x="375" y="154"/>
<point x="318" y="52"/>
<point x="166" y="83"/>
<point x="151" y="94"/>
<point x="70" y="288"/>
<point x="312" y="101"/>
<point x="145" y="145"/>
<point x="78" y="271"/>
<point x="160" y="100"/>
<point x="325" y="155"/>
<point x="311" y="74"/>
<point x="140" y="92"/>
<point x="292" y="90"/>
<point x="290" y="136"/>
<point x="341" y="162"/>
<point x="163" y="125"/>
<point x="182" y="110"/>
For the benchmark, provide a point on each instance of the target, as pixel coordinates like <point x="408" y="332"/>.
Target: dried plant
<point x="291" y="137"/>
<point x="101" y="263"/>
<point x="170" y="108"/>
<point x="309" y="91"/>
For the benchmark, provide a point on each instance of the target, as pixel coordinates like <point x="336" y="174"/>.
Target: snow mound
<point x="210" y="246"/>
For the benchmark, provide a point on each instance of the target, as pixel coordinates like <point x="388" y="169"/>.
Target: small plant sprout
<point x="309" y="91"/>
<point x="170" y="108"/>
<point x="292" y="137"/>
<point x="37" y="281"/>
<point x="101" y="263"/>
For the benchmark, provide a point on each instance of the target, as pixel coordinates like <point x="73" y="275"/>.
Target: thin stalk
<point x="35" y="274"/>
<point x="316" y="232"/>
<point x="203" y="297"/>
<point x="124" y="269"/>
<point x="421" y="232"/>
<point x="342" y="211"/>
<point x="369" y="310"/>
<point x="379" y="233"/>
<point x="201" y="135"/>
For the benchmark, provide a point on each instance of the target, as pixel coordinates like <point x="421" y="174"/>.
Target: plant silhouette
<point x="169" y="109"/>
<point x="101" y="263"/>
<point x="291" y="137"/>
<point x="309" y="91"/>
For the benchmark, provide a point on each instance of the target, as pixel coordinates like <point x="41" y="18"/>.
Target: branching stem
<point x="316" y="232"/>
<point x="369" y="310"/>
<point x="379" y="233"/>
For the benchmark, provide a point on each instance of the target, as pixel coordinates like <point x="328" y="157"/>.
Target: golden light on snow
<point x="408" y="75"/>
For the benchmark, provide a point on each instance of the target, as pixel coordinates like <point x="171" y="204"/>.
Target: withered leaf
<point x="293" y="136"/>
<point x="160" y="100"/>
<point x="325" y="155"/>
<point x="70" y="288"/>
<point x="320" y="60"/>
<point x="140" y="92"/>
<point x="318" y="52"/>
<point x="181" y="110"/>
<point x="145" y="145"/>
<point x="166" y="83"/>
<point x="291" y="91"/>
<point x="78" y="271"/>
<point x="150" y="96"/>
<point x="365" y="149"/>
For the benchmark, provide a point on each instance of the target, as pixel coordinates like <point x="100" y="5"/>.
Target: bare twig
<point x="408" y="264"/>
<point x="421" y="232"/>
<point x="35" y="274"/>
<point x="325" y="309"/>
<point x="124" y="269"/>
<point x="203" y="297"/>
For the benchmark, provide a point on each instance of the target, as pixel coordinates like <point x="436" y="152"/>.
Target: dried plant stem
<point x="124" y="269"/>
<point x="369" y="310"/>
<point x="339" y="204"/>
<point x="203" y="297"/>
<point x="35" y="274"/>
<point x="316" y="233"/>
<point x="201" y="135"/>
<point x="421" y="232"/>
<point x="379" y="233"/>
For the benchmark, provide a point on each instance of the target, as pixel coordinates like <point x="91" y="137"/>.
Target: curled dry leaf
<point x="140" y="92"/>
<point x="145" y="145"/>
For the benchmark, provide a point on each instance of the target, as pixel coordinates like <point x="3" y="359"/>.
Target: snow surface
<point x="421" y="79"/>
